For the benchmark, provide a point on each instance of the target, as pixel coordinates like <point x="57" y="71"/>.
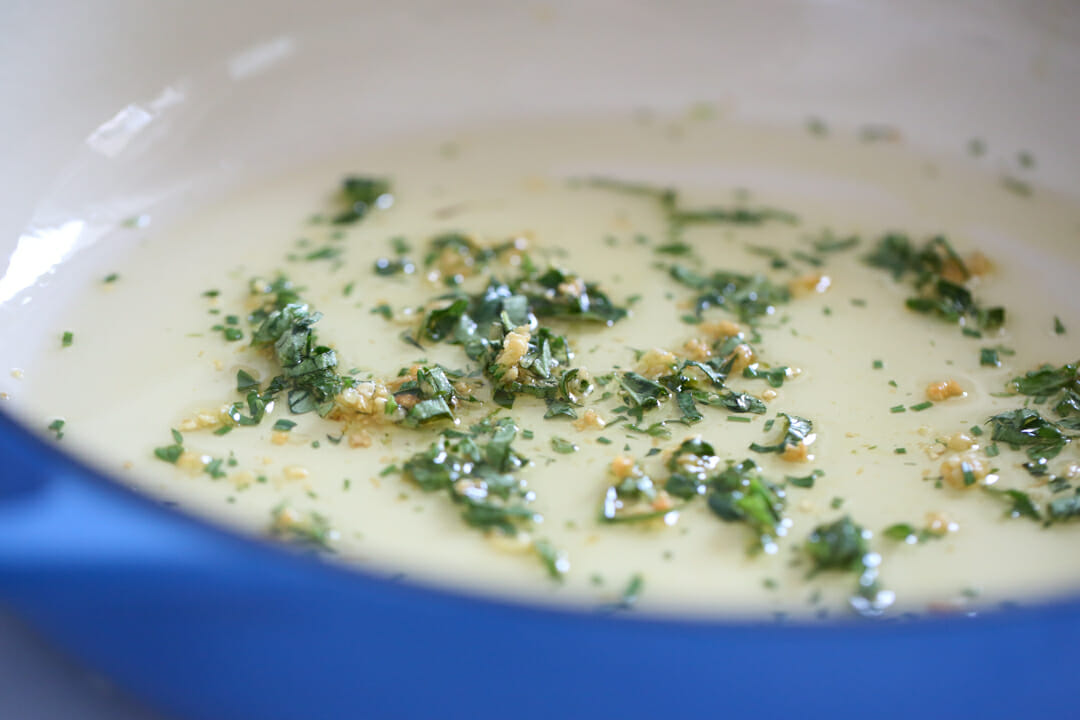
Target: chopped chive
<point x="897" y="409"/>
<point x="739" y="418"/>
<point x="224" y="430"/>
<point x="900" y="451"/>
<point x="67" y="338"/>
<point x="1059" y="327"/>
<point x="284" y="425"/>
<point x="110" y="278"/>
<point x="922" y="406"/>
<point x="878" y="364"/>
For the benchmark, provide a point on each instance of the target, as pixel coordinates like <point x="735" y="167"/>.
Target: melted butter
<point x="144" y="359"/>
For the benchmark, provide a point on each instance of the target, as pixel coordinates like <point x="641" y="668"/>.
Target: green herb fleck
<point x="359" y="195"/>
<point x="806" y="481"/>
<point x="844" y="546"/>
<point x="563" y="446"/>
<point x="310" y="530"/>
<point x="57" y="426"/>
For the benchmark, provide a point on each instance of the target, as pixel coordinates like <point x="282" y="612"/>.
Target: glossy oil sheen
<point x="144" y="358"/>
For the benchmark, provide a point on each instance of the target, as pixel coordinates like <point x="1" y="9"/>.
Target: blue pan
<point x="206" y="624"/>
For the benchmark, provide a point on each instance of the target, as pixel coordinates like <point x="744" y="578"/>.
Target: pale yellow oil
<point x="144" y="358"/>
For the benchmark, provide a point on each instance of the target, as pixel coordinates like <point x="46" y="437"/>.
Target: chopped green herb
<point x="110" y="278"/>
<point x="897" y="409"/>
<point x="817" y="126"/>
<point x="1026" y="427"/>
<point x="878" y="364"/>
<point x="940" y="278"/>
<point x="1059" y="327"/>
<point x="748" y="296"/>
<point x="171" y="453"/>
<point x="805" y="481"/>
<point x="563" y="446"/>
<point x="1016" y="186"/>
<point x="926" y="405"/>
<point x="796" y="431"/>
<point x="479" y="471"/>
<point x="844" y="546"/>
<point x="359" y="195"/>
<point x="311" y="530"/>
<point x="284" y="425"/>
<point x="1064" y="508"/>
<point x="213" y="468"/>
<point x="630" y="595"/>
<point x="678" y="248"/>
<point x="67" y="338"/>
<point x="384" y="310"/>
<point x="57" y="426"/>
<point x="554" y="560"/>
<point x="988" y="357"/>
<point x="1020" y="503"/>
<point x="245" y="382"/>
